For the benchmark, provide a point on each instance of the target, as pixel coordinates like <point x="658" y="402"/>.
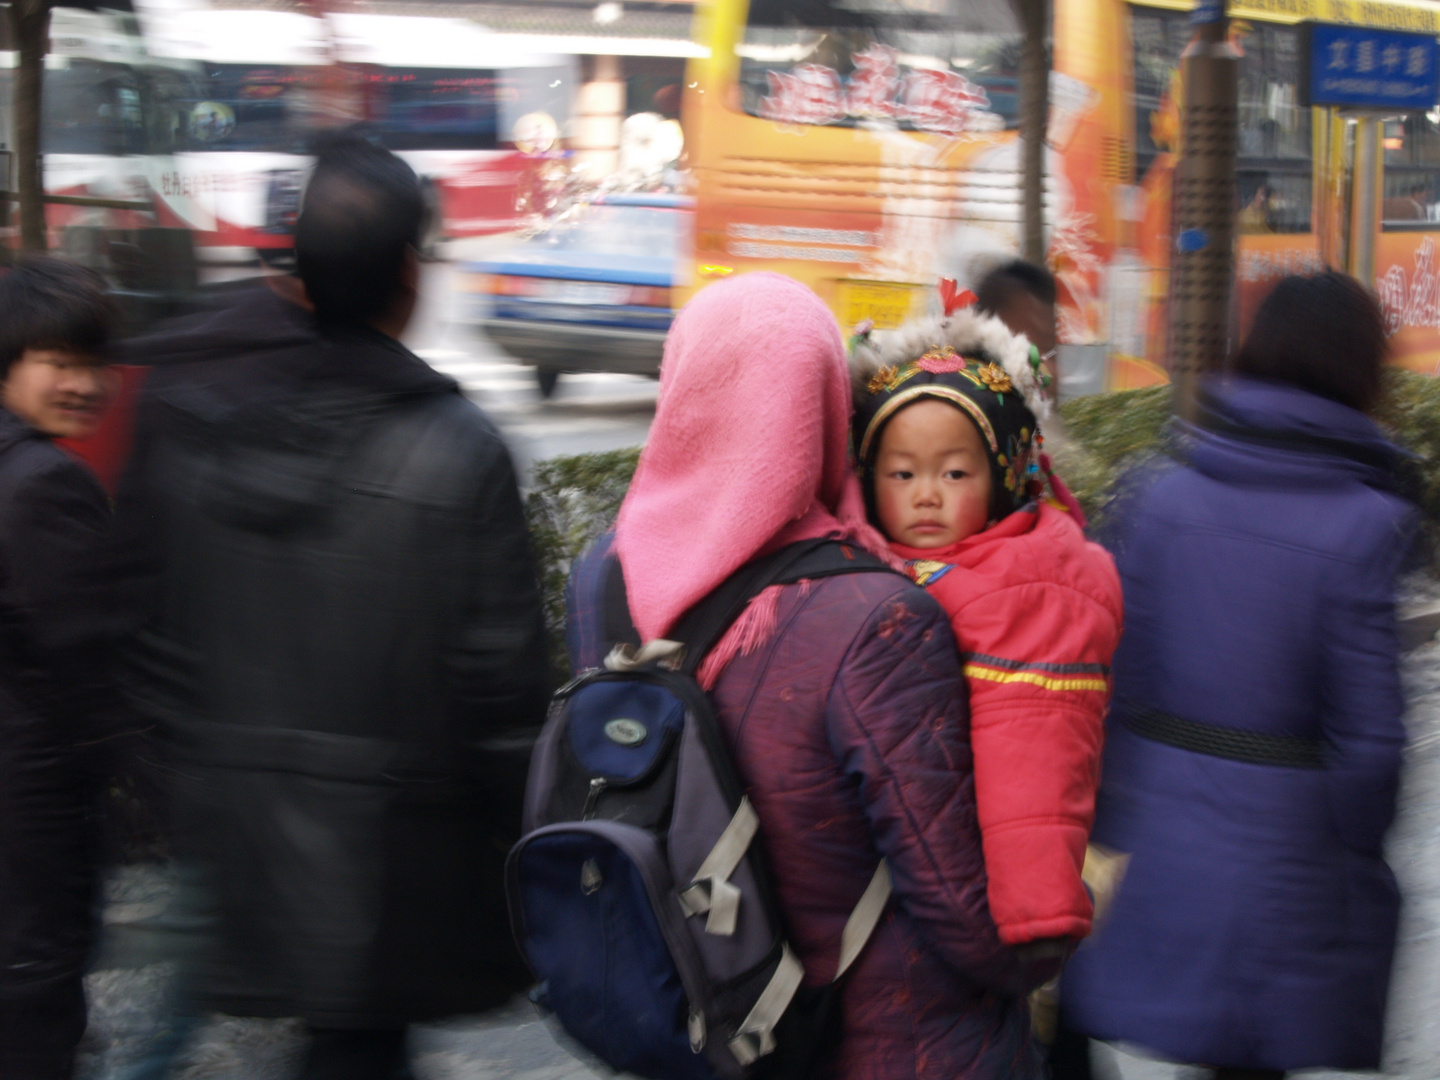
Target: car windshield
<point x="620" y="230"/>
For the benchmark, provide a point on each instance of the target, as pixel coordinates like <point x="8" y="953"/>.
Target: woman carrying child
<point x="841" y="697"/>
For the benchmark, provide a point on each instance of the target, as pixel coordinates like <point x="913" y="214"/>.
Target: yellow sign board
<point x="1418" y="18"/>
<point x="885" y="304"/>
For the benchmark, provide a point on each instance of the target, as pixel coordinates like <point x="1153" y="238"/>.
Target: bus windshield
<point x="945" y="66"/>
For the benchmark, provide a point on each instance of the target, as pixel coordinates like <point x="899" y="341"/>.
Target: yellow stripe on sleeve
<point x="1045" y="682"/>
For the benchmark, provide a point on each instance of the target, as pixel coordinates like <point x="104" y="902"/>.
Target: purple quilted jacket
<point x="850" y="731"/>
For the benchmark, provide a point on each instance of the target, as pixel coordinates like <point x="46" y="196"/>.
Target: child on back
<point x="946" y="436"/>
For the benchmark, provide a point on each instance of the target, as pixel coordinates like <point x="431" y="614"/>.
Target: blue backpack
<point x="639" y="893"/>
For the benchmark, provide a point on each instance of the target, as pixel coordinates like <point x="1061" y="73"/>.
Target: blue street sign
<point x="1371" y="69"/>
<point x="1207" y="11"/>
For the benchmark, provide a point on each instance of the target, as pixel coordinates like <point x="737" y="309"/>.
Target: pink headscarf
<point x="748" y="451"/>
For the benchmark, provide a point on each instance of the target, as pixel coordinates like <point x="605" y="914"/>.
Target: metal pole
<point x="1202" y="263"/>
<point x="1366" y="204"/>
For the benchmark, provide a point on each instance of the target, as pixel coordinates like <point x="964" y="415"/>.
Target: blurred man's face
<point x="1031" y="316"/>
<point x="58" y="392"/>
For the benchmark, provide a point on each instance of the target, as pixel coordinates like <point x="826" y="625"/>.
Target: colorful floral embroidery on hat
<point x="883" y="379"/>
<point x="860" y="335"/>
<point x="995" y="378"/>
<point x="941" y="360"/>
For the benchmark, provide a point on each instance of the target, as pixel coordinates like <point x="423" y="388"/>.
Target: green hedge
<point x="1108" y="431"/>
<point x="1410" y="411"/>
<point x="574" y="499"/>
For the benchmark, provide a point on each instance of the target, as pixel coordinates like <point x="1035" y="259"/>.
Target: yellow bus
<point x="869" y="147"/>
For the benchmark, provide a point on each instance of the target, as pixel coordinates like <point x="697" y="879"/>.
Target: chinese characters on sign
<point x="1374" y="69"/>
<point x="930" y="100"/>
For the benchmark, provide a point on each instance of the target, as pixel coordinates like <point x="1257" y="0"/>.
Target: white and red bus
<point x="253" y="88"/>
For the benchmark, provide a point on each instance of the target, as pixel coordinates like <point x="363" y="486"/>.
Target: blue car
<point x="592" y="295"/>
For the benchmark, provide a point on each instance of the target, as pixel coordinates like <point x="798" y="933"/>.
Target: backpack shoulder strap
<point x="619" y="626"/>
<point x="705" y="624"/>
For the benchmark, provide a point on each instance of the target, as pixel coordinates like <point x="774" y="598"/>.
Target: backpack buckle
<point x="665" y="653"/>
<point x="711" y="892"/>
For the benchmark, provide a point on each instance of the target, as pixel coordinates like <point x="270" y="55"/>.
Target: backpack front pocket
<point x="591" y="904"/>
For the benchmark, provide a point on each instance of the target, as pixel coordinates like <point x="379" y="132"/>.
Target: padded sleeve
<point x="1037" y="664"/>
<point x="59" y="605"/>
<point x="498" y="662"/>
<point x="898" y="726"/>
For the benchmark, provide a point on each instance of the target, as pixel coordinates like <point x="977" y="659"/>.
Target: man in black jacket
<point x="58" y="704"/>
<point x="341" y="633"/>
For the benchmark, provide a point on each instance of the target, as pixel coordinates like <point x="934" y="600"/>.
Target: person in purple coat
<point x="1254" y="744"/>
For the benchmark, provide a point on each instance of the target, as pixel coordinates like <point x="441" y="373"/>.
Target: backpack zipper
<point x="597" y="787"/>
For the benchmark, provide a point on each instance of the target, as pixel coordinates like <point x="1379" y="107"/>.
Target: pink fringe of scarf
<point x="752" y="630"/>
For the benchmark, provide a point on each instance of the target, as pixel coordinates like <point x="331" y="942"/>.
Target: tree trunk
<point x="30" y="26"/>
<point x="1034" y="117"/>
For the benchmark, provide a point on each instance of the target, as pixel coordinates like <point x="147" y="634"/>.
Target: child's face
<point x="58" y="392"/>
<point x="932" y="478"/>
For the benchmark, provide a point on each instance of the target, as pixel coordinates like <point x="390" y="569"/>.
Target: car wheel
<point x="547" y="378"/>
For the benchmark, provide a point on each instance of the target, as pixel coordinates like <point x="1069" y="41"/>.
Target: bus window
<point x="1273" y="150"/>
<point x="435" y="108"/>
<point x="1273" y="202"/>
<point x="1273" y="127"/>
<point x="1159" y="38"/>
<point x="945" y="66"/>
<point x="91" y="108"/>
<point x="1412" y="171"/>
<point x="249" y="107"/>
<point x="165" y="94"/>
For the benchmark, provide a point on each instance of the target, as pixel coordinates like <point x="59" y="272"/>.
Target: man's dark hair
<point x="361" y="214"/>
<point x="1016" y="276"/>
<point x="47" y="303"/>
<point x="1324" y="334"/>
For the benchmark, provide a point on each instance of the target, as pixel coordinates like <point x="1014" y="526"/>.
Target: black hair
<point x="47" y="303"/>
<point x="1324" y="334"/>
<point x="1011" y="278"/>
<point x="361" y="216"/>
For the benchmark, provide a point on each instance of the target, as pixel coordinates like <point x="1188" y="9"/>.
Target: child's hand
<point x="1102" y="873"/>
<point x="1047" y="949"/>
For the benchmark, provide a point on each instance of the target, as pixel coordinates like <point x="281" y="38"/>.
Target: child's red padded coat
<point x="1037" y="612"/>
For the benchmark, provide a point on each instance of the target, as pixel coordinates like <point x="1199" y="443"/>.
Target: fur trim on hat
<point x="973" y="335"/>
